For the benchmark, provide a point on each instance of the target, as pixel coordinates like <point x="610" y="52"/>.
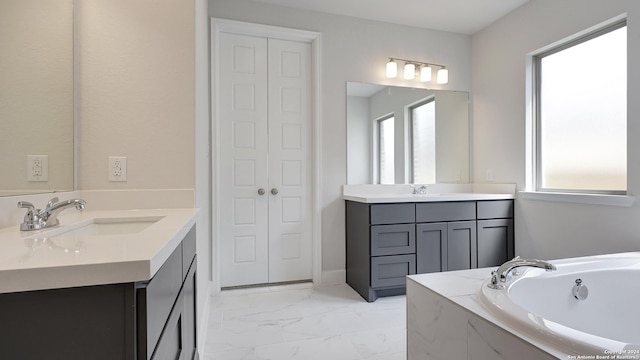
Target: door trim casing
<point x="314" y="38"/>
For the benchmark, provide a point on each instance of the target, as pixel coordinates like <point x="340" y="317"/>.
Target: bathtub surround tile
<point x="487" y="342"/>
<point x="435" y="328"/>
<point x="305" y="322"/>
<point x="480" y="335"/>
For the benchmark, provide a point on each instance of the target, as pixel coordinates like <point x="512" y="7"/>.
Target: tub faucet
<point x="500" y="276"/>
<point x="36" y="219"/>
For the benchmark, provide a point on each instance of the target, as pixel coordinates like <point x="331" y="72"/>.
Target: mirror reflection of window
<point x="423" y="137"/>
<point x="385" y="150"/>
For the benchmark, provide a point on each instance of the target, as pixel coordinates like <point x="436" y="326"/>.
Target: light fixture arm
<point x="420" y="63"/>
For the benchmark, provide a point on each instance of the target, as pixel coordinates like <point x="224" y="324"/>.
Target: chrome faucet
<point x="499" y="277"/>
<point x="36" y="219"/>
<point x="419" y="190"/>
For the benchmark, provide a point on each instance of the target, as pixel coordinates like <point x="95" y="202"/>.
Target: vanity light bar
<point x="413" y="69"/>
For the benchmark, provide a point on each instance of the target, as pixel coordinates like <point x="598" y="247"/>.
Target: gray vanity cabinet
<point x="446" y="236"/>
<point x="387" y="242"/>
<point x="445" y="246"/>
<point x="154" y="319"/>
<point x="380" y="248"/>
<point x="495" y="232"/>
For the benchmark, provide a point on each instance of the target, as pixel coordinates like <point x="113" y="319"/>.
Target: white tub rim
<point x="564" y="338"/>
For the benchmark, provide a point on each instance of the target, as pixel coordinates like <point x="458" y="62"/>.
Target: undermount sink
<point x="110" y="226"/>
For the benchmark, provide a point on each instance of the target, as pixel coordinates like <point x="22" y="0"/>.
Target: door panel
<point x="243" y="170"/>
<point x="265" y="134"/>
<point x="289" y="160"/>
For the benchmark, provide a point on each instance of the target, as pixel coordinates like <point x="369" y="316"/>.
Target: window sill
<point x="592" y="199"/>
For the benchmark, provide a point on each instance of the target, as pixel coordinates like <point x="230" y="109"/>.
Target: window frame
<point x="536" y="63"/>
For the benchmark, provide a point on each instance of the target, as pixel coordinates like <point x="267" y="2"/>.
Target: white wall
<point x="549" y="229"/>
<point x="352" y="50"/>
<point x="359" y="144"/>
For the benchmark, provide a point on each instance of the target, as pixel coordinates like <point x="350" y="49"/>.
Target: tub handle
<point x="494" y="284"/>
<point x="580" y="292"/>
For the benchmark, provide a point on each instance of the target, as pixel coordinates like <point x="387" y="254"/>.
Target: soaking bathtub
<point x="604" y="325"/>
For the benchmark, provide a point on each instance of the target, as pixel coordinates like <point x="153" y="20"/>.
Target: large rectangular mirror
<point x="36" y="96"/>
<point x="398" y="135"/>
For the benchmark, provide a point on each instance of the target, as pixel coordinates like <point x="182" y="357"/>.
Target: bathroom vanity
<point x="100" y="292"/>
<point x="391" y="235"/>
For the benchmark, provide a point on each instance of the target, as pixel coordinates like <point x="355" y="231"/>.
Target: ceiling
<point x="459" y="16"/>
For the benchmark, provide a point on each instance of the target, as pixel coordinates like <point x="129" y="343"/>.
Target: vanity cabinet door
<point x="495" y="242"/>
<point x="170" y="344"/>
<point x="461" y="249"/>
<point x="93" y="322"/>
<point x="155" y="301"/>
<point x="190" y="323"/>
<point x="431" y="240"/>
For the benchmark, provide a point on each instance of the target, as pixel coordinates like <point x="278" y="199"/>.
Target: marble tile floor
<point x="305" y="322"/>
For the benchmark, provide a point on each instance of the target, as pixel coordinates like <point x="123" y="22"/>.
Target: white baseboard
<point x="334" y="277"/>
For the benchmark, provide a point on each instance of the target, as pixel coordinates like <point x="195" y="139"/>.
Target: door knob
<point x="274" y="191"/>
<point x="261" y="191"/>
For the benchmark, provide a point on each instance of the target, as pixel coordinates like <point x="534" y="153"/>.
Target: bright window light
<point x="386" y="172"/>
<point x="582" y="115"/>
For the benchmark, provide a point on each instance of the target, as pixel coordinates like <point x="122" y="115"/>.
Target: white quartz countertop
<point x="47" y="259"/>
<point x="434" y="193"/>
<point x="398" y="198"/>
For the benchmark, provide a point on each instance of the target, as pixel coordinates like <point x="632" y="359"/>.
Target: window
<point x="386" y="172"/>
<point x="581" y="114"/>
<point x="423" y="142"/>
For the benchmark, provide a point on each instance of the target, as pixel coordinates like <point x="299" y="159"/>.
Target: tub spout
<point x="500" y="276"/>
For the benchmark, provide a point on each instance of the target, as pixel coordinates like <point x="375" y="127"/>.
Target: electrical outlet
<point x="117" y="168"/>
<point x="489" y="176"/>
<point x="37" y="168"/>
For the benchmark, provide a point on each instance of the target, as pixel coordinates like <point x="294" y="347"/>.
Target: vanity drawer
<point x="392" y="214"/>
<point x="155" y="301"/>
<point x="393" y="239"/>
<point x="391" y="270"/>
<point x="445" y="211"/>
<point x="497" y="209"/>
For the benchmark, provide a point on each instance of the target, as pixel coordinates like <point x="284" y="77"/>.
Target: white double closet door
<point x="265" y="173"/>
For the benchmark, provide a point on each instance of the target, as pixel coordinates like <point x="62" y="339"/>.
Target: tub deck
<point x="445" y="320"/>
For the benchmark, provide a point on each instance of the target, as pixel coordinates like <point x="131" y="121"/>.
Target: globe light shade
<point x="443" y="76"/>
<point x="409" y="71"/>
<point x="392" y="69"/>
<point x="425" y="73"/>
